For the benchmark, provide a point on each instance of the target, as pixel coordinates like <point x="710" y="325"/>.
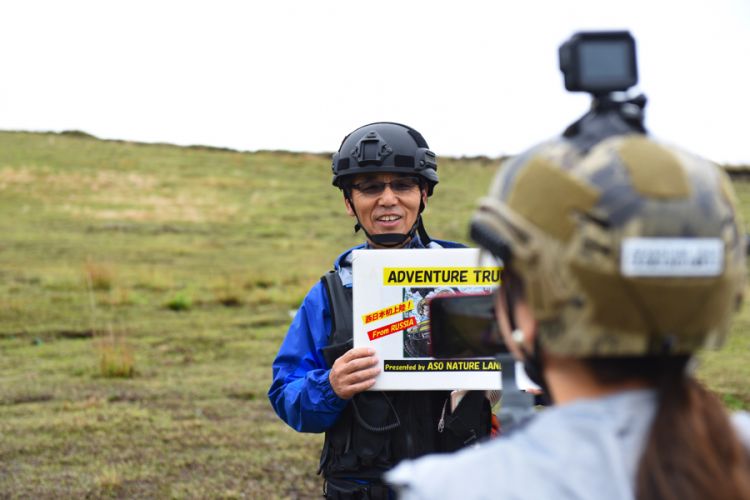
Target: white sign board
<point x="391" y="293"/>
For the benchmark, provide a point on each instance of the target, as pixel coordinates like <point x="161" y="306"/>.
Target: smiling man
<point x="386" y="173"/>
<point x="382" y="211"/>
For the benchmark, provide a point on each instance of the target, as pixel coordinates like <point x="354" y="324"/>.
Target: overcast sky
<point x="475" y="77"/>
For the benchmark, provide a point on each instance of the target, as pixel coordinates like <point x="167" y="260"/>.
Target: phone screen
<point x="463" y="326"/>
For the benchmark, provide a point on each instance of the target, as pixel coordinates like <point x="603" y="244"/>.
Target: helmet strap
<point x="534" y="366"/>
<point x="532" y="362"/>
<point x="390" y="240"/>
<point x="393" y="240"/>
<point x="423" y="236"/>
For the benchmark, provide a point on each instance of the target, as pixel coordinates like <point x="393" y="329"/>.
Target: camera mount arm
<point x="608" y="117"/>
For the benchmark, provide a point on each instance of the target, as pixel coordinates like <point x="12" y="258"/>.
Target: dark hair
<point x="692" y="451"/>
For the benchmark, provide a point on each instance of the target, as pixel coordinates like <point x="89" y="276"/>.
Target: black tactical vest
<point x="377" y="429"/>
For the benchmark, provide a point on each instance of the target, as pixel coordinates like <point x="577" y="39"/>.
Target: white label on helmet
<point x="677" y="257"/>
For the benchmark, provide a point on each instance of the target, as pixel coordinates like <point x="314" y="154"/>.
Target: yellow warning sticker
<point x="437" y="276"/>
<point x="387" y="312"/>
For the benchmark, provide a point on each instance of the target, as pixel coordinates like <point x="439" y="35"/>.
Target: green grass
<point x="192" y="258"/>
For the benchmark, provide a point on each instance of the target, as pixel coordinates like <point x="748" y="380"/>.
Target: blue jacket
<point x="300" y="392"/>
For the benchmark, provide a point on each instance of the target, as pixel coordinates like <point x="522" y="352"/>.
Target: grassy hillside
<point x="144" y="290"/>
<point x="187" y="261"/>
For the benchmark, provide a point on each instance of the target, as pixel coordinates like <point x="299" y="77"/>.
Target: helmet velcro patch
<point x="654" y="171"/>
<point x="548" y="197"/>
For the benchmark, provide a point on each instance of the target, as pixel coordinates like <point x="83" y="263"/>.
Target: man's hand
<point x="354" y="372"/>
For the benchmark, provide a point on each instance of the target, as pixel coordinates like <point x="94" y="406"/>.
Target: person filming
<point x="623" y="257"/>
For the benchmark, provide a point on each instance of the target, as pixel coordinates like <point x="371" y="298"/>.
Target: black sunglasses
<point x="399" y="185"/>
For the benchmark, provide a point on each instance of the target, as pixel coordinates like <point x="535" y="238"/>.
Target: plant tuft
<point x="115" y="355"/>
<point x="180" y="302"/>
<point x="98" y="276"/>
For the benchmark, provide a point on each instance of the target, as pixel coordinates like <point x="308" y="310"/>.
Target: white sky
<point x="475" y="77"/>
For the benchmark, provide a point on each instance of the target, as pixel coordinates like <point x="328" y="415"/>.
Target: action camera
<point x="599" y="62"/>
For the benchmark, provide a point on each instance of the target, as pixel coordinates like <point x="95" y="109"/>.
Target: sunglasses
<point x="400" y="185"/>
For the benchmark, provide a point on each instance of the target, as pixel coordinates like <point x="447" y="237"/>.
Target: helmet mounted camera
<point x="603" y="64"/>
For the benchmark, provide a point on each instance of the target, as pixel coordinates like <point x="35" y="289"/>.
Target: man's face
<point x="390" y="208"/>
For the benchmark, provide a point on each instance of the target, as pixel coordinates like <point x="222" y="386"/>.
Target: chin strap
<point x="423" y="236"/>
<point x="532" y="362"/>
<point x="535" y="367"/>
<point x="388" y="240"/>
<point x="395" y="240"/>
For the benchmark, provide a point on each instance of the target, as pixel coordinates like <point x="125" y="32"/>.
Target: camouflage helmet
<point x="629" y="248"/>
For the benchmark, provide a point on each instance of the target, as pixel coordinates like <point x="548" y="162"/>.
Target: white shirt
<point x="588" y="449"/>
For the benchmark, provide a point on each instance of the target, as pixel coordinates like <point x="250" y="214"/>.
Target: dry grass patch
<point x="181" y="207"/>
<point x="115" y="355"/>
<point x="15" y="176"/>
<point x="100" y="180"/>
<point x="109" y="480"/>
<point x="98" y="276"/>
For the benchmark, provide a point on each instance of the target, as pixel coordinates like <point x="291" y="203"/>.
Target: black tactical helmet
<point x="385" y="147"/>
